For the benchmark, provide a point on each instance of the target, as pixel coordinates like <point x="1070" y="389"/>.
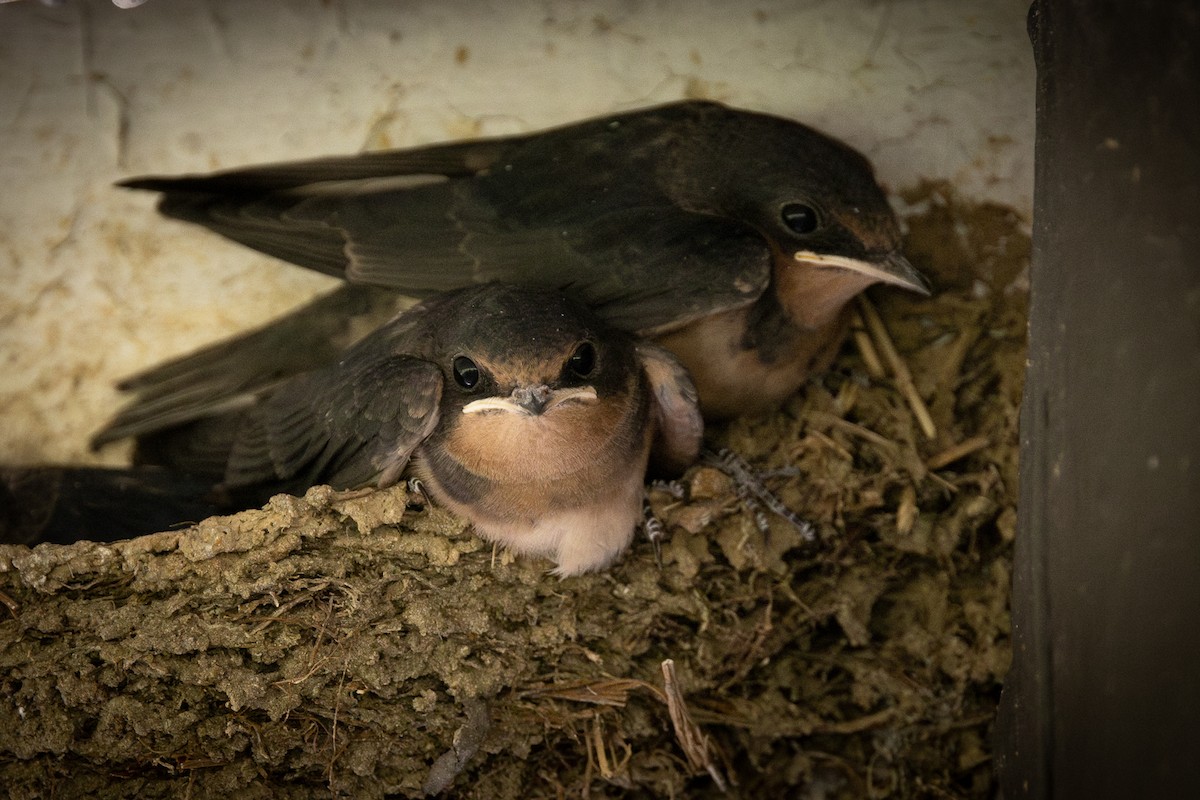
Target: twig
<point x="904" y="380"/>
<point x="337" y="707"/>
<point x="822" y="440"/>
<point x="693" y="741"/>
<point x="278" y="615"/>
<point x="846" y="397"/>
<point x="613" y="692"/>
<point x="11" y="604"/>
<point x="854" y="428"/>
<point x="601" y="753"/>
<point x="862" y="340"/>
<point x="960" y="450"/>
<point x="857" y="725"/>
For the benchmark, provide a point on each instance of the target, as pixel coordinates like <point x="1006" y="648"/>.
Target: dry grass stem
<point x="866" y="348"/>
<point x="960" y="450"/>
<point x="694" y="742"/>
<point x="900" y="371"/>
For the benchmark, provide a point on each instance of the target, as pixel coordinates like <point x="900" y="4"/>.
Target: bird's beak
<point x="892" y="268"/>
<point x="532" y="401"/>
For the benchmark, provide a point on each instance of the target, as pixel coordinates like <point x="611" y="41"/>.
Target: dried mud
<point x="365" y="648"/>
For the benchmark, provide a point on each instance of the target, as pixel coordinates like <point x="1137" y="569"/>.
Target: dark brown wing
<point x="353" y="422"/>
<point x="350" y="425"/>
<point x="582" y="208"/>
<point x="232" y="372"/>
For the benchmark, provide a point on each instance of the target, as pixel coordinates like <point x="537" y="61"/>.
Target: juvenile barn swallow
<point x="734" y="239"/>
<point x="518" y="409"/>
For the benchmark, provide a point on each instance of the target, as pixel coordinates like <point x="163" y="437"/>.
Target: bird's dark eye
<point x="800" y="218"/>
<point x="582" y="361"/>
<point x="466" y="374"/>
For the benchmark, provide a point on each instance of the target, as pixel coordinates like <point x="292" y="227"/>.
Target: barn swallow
<point x="732" y="238"/>
<point x="517" y="408"/>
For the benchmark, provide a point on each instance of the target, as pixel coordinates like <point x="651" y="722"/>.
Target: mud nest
<point x="367" y="647"/>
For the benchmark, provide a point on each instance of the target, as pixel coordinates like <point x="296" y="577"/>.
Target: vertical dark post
<point x="1104" y="695"/>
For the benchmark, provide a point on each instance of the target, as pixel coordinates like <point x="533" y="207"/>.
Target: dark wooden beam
<point x="1104" y="695"/>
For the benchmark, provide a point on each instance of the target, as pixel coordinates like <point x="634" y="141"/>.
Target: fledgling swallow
<point x="517" y="408"/>
<point x="734" y="239"/>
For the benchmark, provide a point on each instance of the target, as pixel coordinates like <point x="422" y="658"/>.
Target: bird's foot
<point x="653" y="526"/>
<point x="417" y="497"/>
<point x="674" y="488"/>
<point x="754" y="493"/>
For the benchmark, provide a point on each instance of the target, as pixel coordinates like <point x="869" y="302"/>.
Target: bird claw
<point x="754" y="493"/>
<point x="674" y="488"/>
<point x="655" y="531"/>
<point x="756" y="510"/>
<point x="416" y="491"/>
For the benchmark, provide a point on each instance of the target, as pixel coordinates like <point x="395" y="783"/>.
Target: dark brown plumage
<point x="518" y="409"/>
<point x="733" y="238"/>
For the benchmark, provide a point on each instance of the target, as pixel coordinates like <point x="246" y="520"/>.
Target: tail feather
<point x="452" y="160"/>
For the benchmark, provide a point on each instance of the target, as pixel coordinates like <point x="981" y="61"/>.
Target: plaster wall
<point x="94" y="285"/>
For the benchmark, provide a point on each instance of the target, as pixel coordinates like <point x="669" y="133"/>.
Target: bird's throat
<point x="812" y="296"/>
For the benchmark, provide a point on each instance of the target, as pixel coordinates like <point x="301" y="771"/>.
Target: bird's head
<point x="815" y="200"/>
<point x="533" y="380"/>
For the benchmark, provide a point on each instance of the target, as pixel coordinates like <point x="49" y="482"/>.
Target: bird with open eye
<point x="732" y="238"/>
<point x="517" y="409"/>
